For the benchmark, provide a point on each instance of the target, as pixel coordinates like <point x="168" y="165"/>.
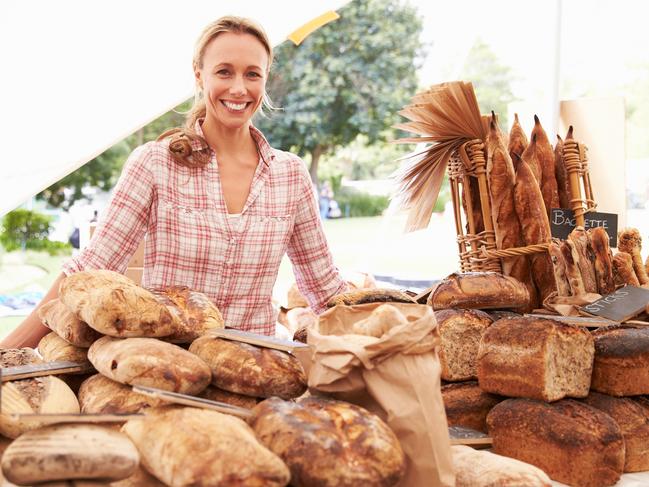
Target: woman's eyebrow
<point x="230" y="65"/>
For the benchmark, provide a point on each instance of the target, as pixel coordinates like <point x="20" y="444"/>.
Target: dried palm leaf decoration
<point x="446" y="116"/>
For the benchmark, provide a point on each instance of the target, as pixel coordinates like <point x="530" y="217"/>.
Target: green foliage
<point x="360" y="204"/>
<point x="349" y="77"/>
<point x="491" y="80"/>
<point x="102" y="171"/>
<point x="28" y="230"/>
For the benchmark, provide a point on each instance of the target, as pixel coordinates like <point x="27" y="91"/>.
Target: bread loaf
<point x="362" y="296"/>
<point x="15" y="357"/>
<point x="559" y="268"/>
<point x="195" y="314"/>
<point x="535" y="358"/>
<point x="599" y="243"/>
<point x="621" y="366"/>
<point x="467" y="405"/>
<point x="545" y="157"/>
<point x="215" y="394"/>
<point x="460" y="331"/>
<point x="573" y="274"/>
<point x="197" y="447"/>
<point x="623" y="272"/>
<point x="339" y="444"/>
<point x="33" y="396"/>
<point x="517" y="141"/>
<point x="101" y="395"/>
<point x="475" y="468"/>
<point x="54" y="348"/>
<point x="249" y="370"/>
<point x="561" y="173"/>
<point x="114" y="305"/>
<point x="69" y="451"/>
<point x="630" y="241"/>
<point x="149" y="362"/>
<point x="58" y="318"/>
<point x="570" y="441"/>
<point x="584" y="257"/>
<point x="141" y="478"/>
<point x="633" y="421"/>
<point x="479" y="290"/>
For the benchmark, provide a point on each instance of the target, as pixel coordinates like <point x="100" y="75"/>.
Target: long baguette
<point x="585" y="258"/>
<point x="517" y="141"/>
<point x="559" y="267"/>
<point x="599" y="243"/>
<point x="572" y="269"/>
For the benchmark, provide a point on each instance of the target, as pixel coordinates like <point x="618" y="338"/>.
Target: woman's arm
<point x="31" y="330"/>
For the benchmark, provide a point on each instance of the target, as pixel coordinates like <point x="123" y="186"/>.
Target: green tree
<point x="491" y="80"/>
<point x="349" y="77"/>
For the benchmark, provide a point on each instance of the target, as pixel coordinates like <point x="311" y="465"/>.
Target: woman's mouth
<point x="235" y="107"/>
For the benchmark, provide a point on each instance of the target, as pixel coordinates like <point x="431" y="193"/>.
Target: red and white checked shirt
<point x="191" y="241"/>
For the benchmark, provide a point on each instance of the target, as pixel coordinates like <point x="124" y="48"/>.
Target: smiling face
<point x="232" y="77"/>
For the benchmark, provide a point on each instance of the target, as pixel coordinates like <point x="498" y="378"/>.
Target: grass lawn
<point x="376" y="245"/>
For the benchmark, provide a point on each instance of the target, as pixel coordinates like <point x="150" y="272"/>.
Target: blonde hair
<point x="179" y="144"/>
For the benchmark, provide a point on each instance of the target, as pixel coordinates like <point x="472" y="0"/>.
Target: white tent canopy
<point x="79" y="76"/>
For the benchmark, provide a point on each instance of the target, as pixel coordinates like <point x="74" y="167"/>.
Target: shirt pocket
<point x="264" y="241"/>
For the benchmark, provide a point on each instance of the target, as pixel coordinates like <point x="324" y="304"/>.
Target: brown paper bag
<point x="569" y="305"/>
<point x="396" y="376"/>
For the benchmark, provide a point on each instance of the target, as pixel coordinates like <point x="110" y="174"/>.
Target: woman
<point x="218" y="205"/>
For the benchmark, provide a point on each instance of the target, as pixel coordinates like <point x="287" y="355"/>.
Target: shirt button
<point x="233" y="240"/>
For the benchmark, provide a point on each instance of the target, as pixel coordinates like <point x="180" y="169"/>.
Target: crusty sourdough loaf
<point x="100" y="395"/>
<point x="480" y="468"/>
<point x="460" y="331"/>
<point x="633" y="421"/>
<point x="338" y="445"/>
<point x="599" y="243"/>
<point x="570" y="441"/>
<point x="535" y="358"/>
<point x="197" y="447"/>
<point x="149" y="362"/>
<point x="15" y="357"/>
<point x="67" y="452"/>
<point x="467" y="405"/>
<point x="621" y="365"/>
<point x="54" y="348"/>
<point x="213" y="393"/>
<point x="114" y="305"/>
<point x="195" y="313"/>
<point x="479" y="290"/>
<point x="363" y="296"/>
<point x="250" y="370"/>
<point x="58" y="318"/>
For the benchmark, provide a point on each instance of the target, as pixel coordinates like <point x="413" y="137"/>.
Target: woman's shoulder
<point x="153" y="154"/>
<point x="288" y="162"/>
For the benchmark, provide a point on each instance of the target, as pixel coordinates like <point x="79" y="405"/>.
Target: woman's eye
<point x="253" y="74"/>
<point x="223" y="72"/>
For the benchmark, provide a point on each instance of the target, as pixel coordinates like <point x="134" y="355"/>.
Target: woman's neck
<point x="224" y="140"/>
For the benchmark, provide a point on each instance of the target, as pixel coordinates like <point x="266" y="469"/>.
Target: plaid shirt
<point x="191" y="241"/>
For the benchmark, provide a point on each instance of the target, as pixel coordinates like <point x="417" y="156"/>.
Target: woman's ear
<point x="199" y="81"/>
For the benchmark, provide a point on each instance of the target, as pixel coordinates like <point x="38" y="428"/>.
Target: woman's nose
<point x="238" y="87"/>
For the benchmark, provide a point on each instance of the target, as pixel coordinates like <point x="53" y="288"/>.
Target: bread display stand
<point x="466" y="436"/>
<point x="44" y="369"/>
<point x="197" y="402"/>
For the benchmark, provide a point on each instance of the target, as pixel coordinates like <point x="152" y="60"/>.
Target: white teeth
<point x="234" y="106"/>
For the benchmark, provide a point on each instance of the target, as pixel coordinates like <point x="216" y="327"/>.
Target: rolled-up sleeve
<point x="123" y="225"/>
<point x="316" y="276"/>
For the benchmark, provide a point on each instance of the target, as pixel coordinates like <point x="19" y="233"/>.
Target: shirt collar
<point x="264" y="148"/>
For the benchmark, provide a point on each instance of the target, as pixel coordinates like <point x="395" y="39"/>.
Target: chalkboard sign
<point x="562" y="222"/>
<point x="621" y="305"/>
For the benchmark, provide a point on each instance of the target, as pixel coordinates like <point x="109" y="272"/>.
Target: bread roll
<point x="535" y="358"/>
<point x="621" y="366"/>
<point x="149" y="362"/>
<point x="475" y="468"/>
<point x="215" y="394"/>
<point x="54" y="348"/>
<point x="195" y="314"/>
<point x="33" y="396"/>
<point x="633" y="421"/>
<point x="114" y="305"/>
<point x="69" y="451"/>
<point x="460" y="331"/>
<point x="467" y="405"/>
<point x="197" y="447"/>
<point x="249" y="370"/>
<point x="338" y="444"/>
<point x="101" y="395"/>
<point x="363" y="296"/>
<point x="58" y="318"/>
<point x="570" y="441"/>
<point x="380" y="321"/>
<point x="599" y="243"/>
<point x="479" y="290"/>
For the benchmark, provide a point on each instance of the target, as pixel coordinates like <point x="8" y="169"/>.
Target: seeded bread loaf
<point x="535" y="358"/>
<point x="570" y="441"/>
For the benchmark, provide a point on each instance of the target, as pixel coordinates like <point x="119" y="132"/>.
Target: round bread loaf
<point x="337" y="444"/>
<point x="570" y="441"/>
<point x="188" y="446"/>
<point x="460" y="331"/>
<point x="250" y="370"/>
<point x="621" y="366"/>
<point x="633" y="420"/>
<point x="215" y="394"/>
<point x="479" y="290"/>
<point x="467" y="405"/>
<point x="101" y="395"/>
<point x="67" y="452"/>
<point x="58" y="318"/>
<point x="54" y="348"/>
<point x="149" y="362"/>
